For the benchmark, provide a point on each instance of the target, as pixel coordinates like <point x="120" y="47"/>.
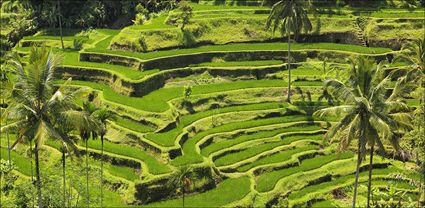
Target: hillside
<point x="212" y="97"/>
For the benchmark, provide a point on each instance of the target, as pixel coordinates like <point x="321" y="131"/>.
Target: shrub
<point x="187" y="13"/>
<point x="142" y="43"/>
<point x="89" y="33"/>
<point x="142" y="15"/>
<point x="187" y="91"/>
<point x="78" y="44"/>
<point x="187" y="39"/>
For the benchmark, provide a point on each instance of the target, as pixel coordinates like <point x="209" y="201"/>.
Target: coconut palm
<point x="36" y="107"/>
<point x="291" y="16"/>
<point x="66" y="131"/>
<point x="368" y="113"/>
<point x="182" y="180"/>
<point x="14" y="6"/>
<point x="5" y="93"/>
<point x="103" y="115"/>
<point x="414" y="53"/>
<point x="60" y="23"/>
<point x="88" y="129"/>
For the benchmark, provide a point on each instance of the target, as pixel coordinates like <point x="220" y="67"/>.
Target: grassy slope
<point x="156" y="102"/>
<point x="223" y="194"/>
<point x="247" y="47"/>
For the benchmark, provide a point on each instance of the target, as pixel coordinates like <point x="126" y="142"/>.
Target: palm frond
<point x="339" y="91"/>
<point x="341" y="125"/>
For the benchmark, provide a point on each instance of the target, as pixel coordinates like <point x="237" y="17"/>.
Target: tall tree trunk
<point x="101" y="172"/>
<point x="64" y="177"/>
<point x="289" y="67"/>
<point x="369" y="185"/>
<point x="87" y="174"/>
<point x="8" y="149"/>
<point x="60" y="23"/>
<point x="1" y="175"/>
<point x="356" y="182"/>
<point x="37" y="175"/>
<point x="32" y="174"/>
<point x="423" y="148"/>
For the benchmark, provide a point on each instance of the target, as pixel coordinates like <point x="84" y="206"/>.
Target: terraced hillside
<point x="247" y="146"/>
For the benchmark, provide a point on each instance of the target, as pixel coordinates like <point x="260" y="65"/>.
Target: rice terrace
<point x="212" y="103"/>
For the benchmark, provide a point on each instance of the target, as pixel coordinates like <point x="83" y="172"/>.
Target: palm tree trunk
<point x="101" y="172"/>
<point x="64" y="178"/>
<point x="289" y="67"/>
<point x="359" y="160"/>
<point x="60" y="23"/>
<point x="32" y="174"/>
<point x="1" y="178"/>
<point x="87" y="174"/>
<point x="37" y="175"/>
<point x="369" y="185"/>
<point x="423" y="148"/>
<point x="8" y="148"/>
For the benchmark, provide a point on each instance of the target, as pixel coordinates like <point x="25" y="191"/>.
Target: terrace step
<point x="275" y="144"/>
<point x="308" y="192"/>
<point x="279" y="131"/>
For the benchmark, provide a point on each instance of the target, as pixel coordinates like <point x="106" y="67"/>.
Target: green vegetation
<point x="186" y="103"/>
<point x="22" y="163"/>
<point x="135" y="126"/>
<point x="153" y="164"/>
<point x="248" y="47"/>
<point x="304" y="127"/>
<point x="167" y="138"/>
<point x="278" y="157"/>
<point x="233" y="158"/>
<point x="223" y="194"/>
<point x="267" y="181"/>
<point x="192" y="157"/>
<point x="240" y="63"/>
<point x="157" y="100"/>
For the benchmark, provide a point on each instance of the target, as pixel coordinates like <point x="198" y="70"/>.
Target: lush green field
<point x="247" y="47"/>
<point x="223" y="194"/>
<point x="267" y="181"/>
<point x="225" y="117"/>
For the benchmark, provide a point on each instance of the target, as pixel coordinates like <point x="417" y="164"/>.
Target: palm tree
<point x="60" y="23"/>
<point x="103" y="115"/>
<point x="291" y="16"/>
<point x="35" y="105"/>
<point x="5" y="92"/>
<point x="88" y="129"/>
<point x="65" y="130"/>
<point x="182" y="180"/>
<point x="368" y="113"/>
<point x="414" y="53"/>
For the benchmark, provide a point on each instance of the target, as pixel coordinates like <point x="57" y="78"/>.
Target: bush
<point x="140" y="19"/>
<point x="142" y="43"/>
<point x="142" y="15"/>
<point x="187" y="39"/>
<point x="187" y="91"/>
<point x="78" y="44"/>
<point x="187" y="13"/>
